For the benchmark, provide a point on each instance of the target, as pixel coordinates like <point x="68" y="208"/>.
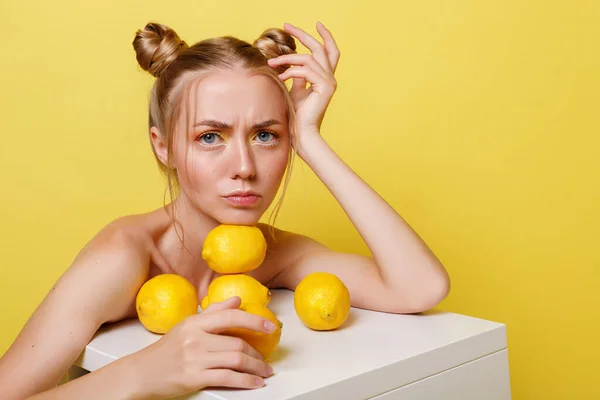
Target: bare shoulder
<point x="124" y="237"/>
<point x="99" y="287"/>
<point x="292" y="243"/>
<point x="102" y="281"/>
<point x="285" y="249"/>
<point x="114" y="262"/>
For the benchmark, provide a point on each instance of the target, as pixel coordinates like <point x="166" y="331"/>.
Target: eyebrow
<point x="223" y="125"/>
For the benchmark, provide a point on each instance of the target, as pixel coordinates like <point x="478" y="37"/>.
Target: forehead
<point x="234" y="95"/>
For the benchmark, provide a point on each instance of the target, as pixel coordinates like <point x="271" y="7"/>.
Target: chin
<point x="239" y="216"/>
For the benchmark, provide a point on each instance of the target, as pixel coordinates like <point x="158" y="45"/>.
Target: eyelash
<point x="273" y="143"/>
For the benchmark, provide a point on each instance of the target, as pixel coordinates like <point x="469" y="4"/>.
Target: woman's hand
<point x="193" y="355"/>
<point x="318" y="70"/>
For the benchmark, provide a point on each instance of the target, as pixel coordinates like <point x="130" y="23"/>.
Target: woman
<point x="223" y="128"/>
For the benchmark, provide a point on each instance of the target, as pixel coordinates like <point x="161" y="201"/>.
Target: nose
<point x="242" y="161"/>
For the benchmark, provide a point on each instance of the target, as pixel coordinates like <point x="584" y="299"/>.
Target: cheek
<point x="277" y="166"/>
<point x="196" y="172"/>
<point x="202" y="174"/>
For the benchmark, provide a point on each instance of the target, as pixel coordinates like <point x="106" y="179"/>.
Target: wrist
<point x="308" y="142"/>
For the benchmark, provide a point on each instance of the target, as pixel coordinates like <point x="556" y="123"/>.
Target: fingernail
<point x="269" y="326"/>
<point x="269" y="370"/>
<point x="260" y="382"/>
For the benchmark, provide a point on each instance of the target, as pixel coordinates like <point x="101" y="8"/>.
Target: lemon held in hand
<point x="264" y="343"/>
<point x="248" y="289"/>
<point x="234" y="249"/>
<point x="322" y="301"/>
<point x="164" y="301"/>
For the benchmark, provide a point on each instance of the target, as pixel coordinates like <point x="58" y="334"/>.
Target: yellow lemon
<point x="264" y="343"/>
<point x="234" y="249"/>
<point x="322" y="301"/>
<point x="164" y="301"/>
<point x="248" y="289"/>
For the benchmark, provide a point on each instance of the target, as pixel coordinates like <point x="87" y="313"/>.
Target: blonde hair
<point x="161" y="52"/>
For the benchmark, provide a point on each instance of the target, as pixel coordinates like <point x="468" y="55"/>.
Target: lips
<point x="242" y="198"/>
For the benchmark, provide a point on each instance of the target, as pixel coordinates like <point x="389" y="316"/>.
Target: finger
<point x="230" y="303"/>
<point x="317" y="49"/>
<point x="238" y="362"/>
<point x="217" y="322"/>
<point x="298" y="86"/>
<point x="331" y="47"/>
<point x="229" y="378"/>
<point x="303" y="60"/>
<point x="229" y="343"/>
<point x="306" y="73"/>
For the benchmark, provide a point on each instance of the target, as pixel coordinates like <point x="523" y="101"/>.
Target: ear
<point x="160" y="145"/>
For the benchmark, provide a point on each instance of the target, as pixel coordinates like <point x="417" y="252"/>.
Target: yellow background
<point x="477" y="120"/>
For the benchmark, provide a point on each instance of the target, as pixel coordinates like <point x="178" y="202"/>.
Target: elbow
<point x="425" y="296"/>
<point x="435" y="292"/>
<point x="434" y="288"/>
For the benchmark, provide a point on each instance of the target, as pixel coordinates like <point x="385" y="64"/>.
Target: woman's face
<point x="234" y="157"/>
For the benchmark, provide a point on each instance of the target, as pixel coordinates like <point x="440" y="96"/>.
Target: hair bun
<point x="156" y="46"/>
<point x="275" y="42"/>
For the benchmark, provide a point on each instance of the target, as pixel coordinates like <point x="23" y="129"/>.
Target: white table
<point x="436" y="355"/>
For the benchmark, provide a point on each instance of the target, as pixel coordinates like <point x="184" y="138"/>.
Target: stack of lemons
<point x="321" y="300"/>
<point x="232" y="251"/>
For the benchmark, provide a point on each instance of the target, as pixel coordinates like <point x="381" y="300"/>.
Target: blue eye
<point x="209" y="138"/>
<point x="264" y="136"/>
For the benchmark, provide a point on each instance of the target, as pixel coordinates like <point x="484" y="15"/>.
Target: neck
<point x="191" y="227"/>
